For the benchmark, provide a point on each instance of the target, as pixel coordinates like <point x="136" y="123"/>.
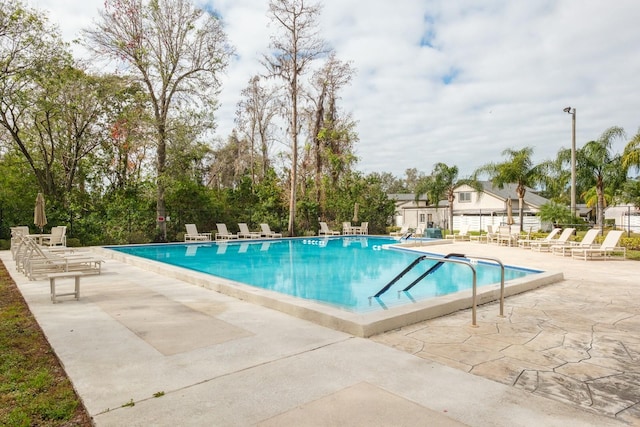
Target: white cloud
<point x="513" y="67"/>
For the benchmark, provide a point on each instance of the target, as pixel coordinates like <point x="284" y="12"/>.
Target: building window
<point x="421" y="221"/>
<point x="464" y="197"/>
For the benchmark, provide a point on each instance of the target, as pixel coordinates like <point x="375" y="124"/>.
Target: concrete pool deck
<point x="143" y="348"/>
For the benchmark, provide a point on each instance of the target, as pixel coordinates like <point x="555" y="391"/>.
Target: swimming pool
<point x="341" y="271"/>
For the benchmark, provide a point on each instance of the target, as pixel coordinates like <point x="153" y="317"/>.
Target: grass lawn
<point x="34" y="389"/>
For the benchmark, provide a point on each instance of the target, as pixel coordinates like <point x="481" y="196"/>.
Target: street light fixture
<point x="572" y="111"/>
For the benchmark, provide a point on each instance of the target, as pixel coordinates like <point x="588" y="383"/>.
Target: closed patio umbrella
<point x="39" y="215"/>
<point x="355" y="212"/>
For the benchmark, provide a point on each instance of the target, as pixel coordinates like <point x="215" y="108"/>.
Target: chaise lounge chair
<point x="192" y="234"/>
<point x="325" y="231"/>
<point x="403" y="230"/>
<point x="586" y="242"/>
<point x="545" y="245"/>
<point x="266" y="231"/>
<point x="526" y="243"/>
<point x="245" y="233"/>
<point x="223" y="233"/>
<point x="36" y="262"/>
<point x="461" y="235"/>
<point x="607" y="249"/>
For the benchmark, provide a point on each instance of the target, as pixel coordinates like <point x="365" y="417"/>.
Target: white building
<point x="626" y="217"/>
<point x="470" y="207"/>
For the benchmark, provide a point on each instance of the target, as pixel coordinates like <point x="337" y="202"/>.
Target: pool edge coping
<point x="357" y="324"/>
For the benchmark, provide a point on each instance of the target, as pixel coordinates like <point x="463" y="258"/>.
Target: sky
<point x="449" y="81"/>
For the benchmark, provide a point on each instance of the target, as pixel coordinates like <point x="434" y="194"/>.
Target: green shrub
<point x="73" y="242"/>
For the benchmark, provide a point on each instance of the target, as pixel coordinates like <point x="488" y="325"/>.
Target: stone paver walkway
<point x="577" y="341"/>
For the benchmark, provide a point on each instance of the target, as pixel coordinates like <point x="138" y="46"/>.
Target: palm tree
<point x="555" y="178"/>
<point x="442" y="183"/>
<point x="517" y="169"/>
<point x="631" y="192"/>
<point x="599" y="167"/>
<point x="590" y="198"/>
<point x="631" y="155"/>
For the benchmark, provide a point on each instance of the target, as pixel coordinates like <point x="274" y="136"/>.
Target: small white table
<point x="67" y="274"/>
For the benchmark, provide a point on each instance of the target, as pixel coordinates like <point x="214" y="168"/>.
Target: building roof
<point x="531" y="196"/>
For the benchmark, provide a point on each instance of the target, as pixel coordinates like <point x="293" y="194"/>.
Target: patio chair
<point x="192" y="234"/>
<point x="245" y="233"/>
<point x="492" y="234"/>
<point x="506" y="236"/>
<point x="586" y="242"/>
<point x="266" y="231"/>
<point x="545" y="245"/>
<point x="58" y="237"/>
<point x="223" y="233"/>
<point x="608" y="247"/>
<point x="526" y="243"/>
<point x="363" y="229"/>
<point x="346" y="228"/>
<point x="325" y="231"/>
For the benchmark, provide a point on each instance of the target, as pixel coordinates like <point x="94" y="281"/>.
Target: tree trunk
<point x="160" y="203"/>
<point x="294" y="157"/>
<point x="521" y="192"/>
<point x="600" y="195"/>
<point x="451" y="199"/>
<point x="318" y="145"/>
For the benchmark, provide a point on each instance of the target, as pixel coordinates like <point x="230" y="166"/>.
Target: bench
<point x="63" y="275"/>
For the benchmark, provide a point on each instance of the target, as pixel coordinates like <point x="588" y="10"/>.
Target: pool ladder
<point x="454" y="258"/>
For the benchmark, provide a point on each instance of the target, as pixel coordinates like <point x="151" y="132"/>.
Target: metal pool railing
<point x="455" y="259"/>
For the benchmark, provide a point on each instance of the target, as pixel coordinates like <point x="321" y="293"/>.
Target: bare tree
<point x="295" y="45"/>
<point x="175" y="49"/>
<point x="327" y="81"/>
<point x="254" y="117"/>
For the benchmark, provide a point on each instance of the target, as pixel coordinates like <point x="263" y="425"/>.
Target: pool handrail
<point x="410" y="267"/>
<point x="455" y="261"/>
<point x="433" y="268"/>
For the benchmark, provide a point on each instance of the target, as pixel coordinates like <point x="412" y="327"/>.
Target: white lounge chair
<point x="526" y="243"/>
<point x="245" y="233"/>
<point x="192" y="234"/>
<point x="403" y="230"/>
<point x="325" y="231"/>
<point x="606" y="249"/>
<point x="266" y="231"/>
<point x="462" y="234"/>
<point x="16" y="237"/>
<point x="38" y="262"/>
<point x="545" y="245"/>
<point x="223" y="233"/>
<point x="586" y="242"/>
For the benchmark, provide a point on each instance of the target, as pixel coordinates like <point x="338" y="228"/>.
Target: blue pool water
<point x="343" y="272"/>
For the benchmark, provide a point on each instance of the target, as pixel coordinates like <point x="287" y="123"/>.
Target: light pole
<point x="572" y="111"/>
